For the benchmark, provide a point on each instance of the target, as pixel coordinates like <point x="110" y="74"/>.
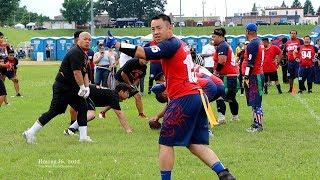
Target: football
<point x="154" y="124"/>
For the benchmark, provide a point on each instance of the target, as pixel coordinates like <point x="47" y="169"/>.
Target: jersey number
<point x="306" y="54"/>
<point x="190" y="65"/>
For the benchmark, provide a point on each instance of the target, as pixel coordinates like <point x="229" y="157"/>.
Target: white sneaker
<point x="86" y="140"/>
<point x="221" y="118"/>
<point x="30" y="138"/>
<point x="235" y="118"/>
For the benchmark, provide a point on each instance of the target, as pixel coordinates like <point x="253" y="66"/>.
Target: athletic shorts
<point x="270" y="76"/>
<point x="9" y="73"/>
<point x="185" y="122"/>
<point x="90" y="104"/>
<point x="255" y="90"/>
<point x="213" y="91"/>
<point x="231" y="86"/>
<point x="3" y="90"/>
<point x="306" y="73"/>
<point x="293" y="68"/>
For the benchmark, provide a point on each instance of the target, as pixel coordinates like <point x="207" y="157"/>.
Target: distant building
<point x="59" y="22"/>
<point x="275" y="15"/>
<point x="128" y="22"/>
<point x="207" y="20"/>
<point x="102" y="20"/>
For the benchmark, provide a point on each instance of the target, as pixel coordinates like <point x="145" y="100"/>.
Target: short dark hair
<point x="158" y="76"/>
<point x="122" y="87"/>
<point x="294" y="31"/>
<point x="1" y="34"/>
<point x="220" y="32"/>
<point x="284" y="40"/>
<point x="307" y="36"/>
<point x="265" y="39"/>
<point x="10" y="51"/>
<point x="77" y="34"/>
<point x="163" y="17"/>
<point x="160" y="98"/>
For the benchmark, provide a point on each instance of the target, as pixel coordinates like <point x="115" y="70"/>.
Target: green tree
<point x="7" y="9"/>
<point x="296" y="4"/>
<point x="141" y="9"/>
<point x="318" y="12"/>
<point x="308" y="8"/>
<point x="76" y="10"/>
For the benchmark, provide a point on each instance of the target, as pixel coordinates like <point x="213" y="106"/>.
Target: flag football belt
<point x="207" y="107"/>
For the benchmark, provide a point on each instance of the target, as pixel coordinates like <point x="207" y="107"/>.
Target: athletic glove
<point x="83" y="91"/>
<point x="110" y="41"/>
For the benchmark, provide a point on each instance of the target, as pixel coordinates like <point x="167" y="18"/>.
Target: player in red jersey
<point x="272" y="57"/>
<point x="253" y="76"/>
<point x="293" y="65"/>
<point x="305" y="55"/>
<point x="227" y="68"/>
<point x="185" y="121"/>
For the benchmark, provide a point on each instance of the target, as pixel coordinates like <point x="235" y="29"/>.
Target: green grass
<point x="286" y="149"/>
<point x="17" y="36"/>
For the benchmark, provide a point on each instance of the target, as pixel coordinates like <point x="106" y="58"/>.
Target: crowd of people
<point x="88" y="79"/>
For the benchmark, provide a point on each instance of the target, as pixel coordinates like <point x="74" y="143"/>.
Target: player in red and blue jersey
<point x="185" y="121"/>
<point x="227" y="68"/>
<point x="293" y="65"/>
<point x="306" y="55"/>
<point x="253" y="76"/>
<point x="272" y="56"/>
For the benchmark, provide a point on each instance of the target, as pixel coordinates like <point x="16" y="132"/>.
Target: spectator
<point x="48" y="51"/>
<point x="102" y="62"/>
<point x="207" y="53"/>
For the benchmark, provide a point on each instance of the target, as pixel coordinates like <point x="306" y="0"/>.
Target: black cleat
<point x="300" y="92"/>
<point x="309" y="91"/>
<point x="226" y="175"/>
<point x="70" y="131"/>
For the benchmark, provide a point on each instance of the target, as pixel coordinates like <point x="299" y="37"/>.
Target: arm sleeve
<point x="252" y="49"/>
<point x="165" y="49"/>
<point x="223" y="49"/>
<point x="76" y="59"/>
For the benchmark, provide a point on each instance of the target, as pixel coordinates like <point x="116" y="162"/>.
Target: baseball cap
<point x="251" y="27"/>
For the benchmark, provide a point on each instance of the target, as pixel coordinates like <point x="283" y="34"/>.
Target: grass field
<point x="288" y="148"/>
<point x="17" y="36"/>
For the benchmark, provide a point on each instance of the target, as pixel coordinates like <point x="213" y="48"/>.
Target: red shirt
<point x="177" y="70"/>
<point x="306" y="54"/>
<point x="291" y="46"/>
<point x="270" y="64"/>
<point x="230" y="67"/>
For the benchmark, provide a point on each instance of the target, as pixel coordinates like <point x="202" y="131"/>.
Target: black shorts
<point x="3" y="90"/>
<point x="9" y="73"/>
<point x="91" y="105"/>
<point x="270" y="76"/>
<point x="62" y="96"/>
<point x="231" y="85"/>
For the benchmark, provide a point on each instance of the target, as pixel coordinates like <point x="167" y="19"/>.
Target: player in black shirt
<point x="71" y="87"/>
<point x="110" y="99"/>
<point x="131" y="73"/>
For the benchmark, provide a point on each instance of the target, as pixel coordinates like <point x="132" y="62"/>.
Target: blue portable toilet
<point x="192" y="41"/>
<point x="63" y="45"/>
<point x="37" y="45"/>
<point x="202" y="41"/>
<point x="126" y="38"/>
<point x="51" y="42"/>
<point x="232" y="40"/>
<point x="241" y="38"/>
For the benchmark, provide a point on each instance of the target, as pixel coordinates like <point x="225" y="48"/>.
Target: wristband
<point x="128" y="49"/>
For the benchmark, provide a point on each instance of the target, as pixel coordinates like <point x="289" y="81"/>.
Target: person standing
<point x="185" y="121"/>
<point x="71" y="87"/>
<point x="284" y="60"/>
<point x="102" y="62"/>
<point x="272" y="56"/>
<point x="305" y="55"/>
<point x="207" y="53"/>
<point x="228" y="70"/>
<point x="253" y="77"/>
<point x="11" y="72"/>
<point x="293" y="65"/>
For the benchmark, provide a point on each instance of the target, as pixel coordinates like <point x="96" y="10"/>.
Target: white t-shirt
<point x="208" y="49"/>
<point x="123" y="59"/>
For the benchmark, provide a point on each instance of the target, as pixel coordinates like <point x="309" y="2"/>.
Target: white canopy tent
<point x="19" y="26"/>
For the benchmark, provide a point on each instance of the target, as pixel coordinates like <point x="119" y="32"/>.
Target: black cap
<point x="77" y="33"/>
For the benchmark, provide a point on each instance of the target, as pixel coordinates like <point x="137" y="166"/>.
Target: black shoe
<point x="226" y="175"/>
<point x="299" y="92"/>
<point x="70" y="131"/>
<point x="290" y="91"/>
<point x="18" y="95"/>
<point x="309" y="91"/>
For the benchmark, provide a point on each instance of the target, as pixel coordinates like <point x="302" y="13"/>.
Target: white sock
<point x="75" y="125"/>
<point x="35" y="128"/>
<point x="83" y="132"/>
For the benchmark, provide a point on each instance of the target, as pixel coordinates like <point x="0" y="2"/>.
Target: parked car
<point x="282" y="23"/>
<point x="262" y="23"/>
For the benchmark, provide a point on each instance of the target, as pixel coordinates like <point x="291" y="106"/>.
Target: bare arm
<point x="222" y="59"/>
<point x="123" y="121"/>
<point x="86" y="80"/>
<point x="78" y="77"/>
<point x="125" y="78"/>
<point x="159" y="115"/>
